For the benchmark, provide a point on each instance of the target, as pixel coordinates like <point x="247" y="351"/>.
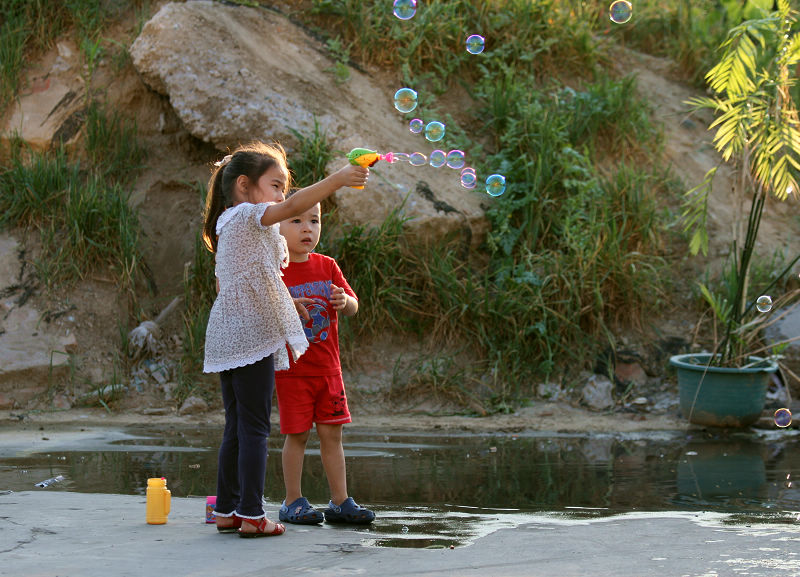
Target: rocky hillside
<point x="200" y="78"/>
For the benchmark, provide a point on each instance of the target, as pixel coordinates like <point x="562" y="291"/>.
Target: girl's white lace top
<point x="253" y="315"/>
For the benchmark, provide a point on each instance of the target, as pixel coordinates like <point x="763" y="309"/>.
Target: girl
<point x="253" y="317"/>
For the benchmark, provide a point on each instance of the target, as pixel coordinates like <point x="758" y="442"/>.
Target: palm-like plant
<point x="757" y="129"/>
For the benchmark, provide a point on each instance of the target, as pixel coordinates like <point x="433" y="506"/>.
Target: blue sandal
<point x="300" y="512"/>
<point x="348" y="512"/>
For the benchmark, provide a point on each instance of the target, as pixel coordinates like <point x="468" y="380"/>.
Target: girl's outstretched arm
<point x="305" y="198"/>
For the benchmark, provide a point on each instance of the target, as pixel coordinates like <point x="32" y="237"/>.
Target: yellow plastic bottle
<point x="158" y="501"/>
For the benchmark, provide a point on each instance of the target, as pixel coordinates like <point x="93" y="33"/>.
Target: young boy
<point x="312" y="390"/>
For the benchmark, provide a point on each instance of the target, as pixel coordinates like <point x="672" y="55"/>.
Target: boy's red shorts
<point x="303" y="401"/>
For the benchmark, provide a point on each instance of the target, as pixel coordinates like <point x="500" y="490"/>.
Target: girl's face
<point x="270" y="186"/>
<point x="302" y="233"/>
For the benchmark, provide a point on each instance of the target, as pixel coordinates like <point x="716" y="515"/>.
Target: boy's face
<point x="302" y="233"/>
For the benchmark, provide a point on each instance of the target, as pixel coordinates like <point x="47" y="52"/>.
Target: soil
<point x="169" y="198"/>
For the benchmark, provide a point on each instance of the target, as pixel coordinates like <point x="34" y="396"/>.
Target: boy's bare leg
<point x="332" y="452"/>
<point x="294" y="449"/>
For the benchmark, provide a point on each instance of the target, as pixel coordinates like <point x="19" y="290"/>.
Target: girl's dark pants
<point x="242" y="469"/>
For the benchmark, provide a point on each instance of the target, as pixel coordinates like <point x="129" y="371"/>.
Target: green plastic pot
<point x="722" y="396"/>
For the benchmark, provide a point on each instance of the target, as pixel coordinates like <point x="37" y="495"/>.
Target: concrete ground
<point x="50" y="533"/>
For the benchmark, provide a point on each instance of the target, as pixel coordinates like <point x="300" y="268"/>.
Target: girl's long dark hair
<point x="251" y="160"/>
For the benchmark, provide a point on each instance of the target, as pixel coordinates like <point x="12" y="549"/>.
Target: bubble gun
<point x="366" y="158"/>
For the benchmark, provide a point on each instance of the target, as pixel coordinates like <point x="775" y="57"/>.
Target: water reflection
<point x="603" y="474"/>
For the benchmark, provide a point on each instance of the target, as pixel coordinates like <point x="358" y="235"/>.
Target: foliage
<point x="757" y="129"/>
<point x="199" y="293"/>
<point x="534" y="38"/>
<point x="574" y="246"/>
<point x="31" y="26"/>
<point x="309" y="161"/>
<point x="80" y="211"/>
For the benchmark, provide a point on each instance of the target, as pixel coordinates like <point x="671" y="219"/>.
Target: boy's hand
<point x="352" y="175"/>
<point x="338" y="297"/>
<point x="299" y="304"/>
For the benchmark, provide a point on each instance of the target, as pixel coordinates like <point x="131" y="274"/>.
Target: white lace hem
<point x="242" y="361"/>
<point x="297" y="346"/>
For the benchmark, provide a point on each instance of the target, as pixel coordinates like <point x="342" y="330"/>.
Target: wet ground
<point x="435" y="490"/>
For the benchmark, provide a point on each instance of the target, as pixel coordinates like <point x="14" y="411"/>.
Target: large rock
<point x="235" y="73"/>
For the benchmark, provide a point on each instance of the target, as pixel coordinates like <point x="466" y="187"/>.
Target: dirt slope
<point x="167" y="195"/>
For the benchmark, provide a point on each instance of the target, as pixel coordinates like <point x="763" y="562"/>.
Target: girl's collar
<point x="227" y="215"/>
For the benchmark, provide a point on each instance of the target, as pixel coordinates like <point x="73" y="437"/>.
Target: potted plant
<point x="757" y="130"/>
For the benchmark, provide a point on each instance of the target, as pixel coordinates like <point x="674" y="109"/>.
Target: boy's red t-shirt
<point x="312" y="279"/>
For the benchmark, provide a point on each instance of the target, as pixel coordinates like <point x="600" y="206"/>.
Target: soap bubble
<point x="620" y="11"/>
<point x="404" y="529"/>
<point x="417" y="159"/>
<point x="496" y="184"/>
<point x="783" y="418"/>
<point x="764" y="304"/>
<point x="437" y="158"/>
<point x="434" y="131"/>
<point x="475" y="44"/>
<point x="404" y="9"/>
<point x="455" y="159"/>
<point x="416" y="125"/>
<point x="467" y="169"/>
<point x="468" y="179"/>
<point x="400" y="157"/>
<point x="405" y="100"/>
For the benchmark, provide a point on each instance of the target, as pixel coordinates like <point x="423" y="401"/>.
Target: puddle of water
<point x="450" y="490"/>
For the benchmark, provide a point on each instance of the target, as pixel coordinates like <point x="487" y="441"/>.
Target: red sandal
<point x="232" y="528"/>
<point x="261" y="528"/>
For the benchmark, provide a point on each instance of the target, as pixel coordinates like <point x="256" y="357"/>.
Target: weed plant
<point x="199" y="293"/>
<point x="311" y="157"/>
<point x="112" y="144"/>
<point x="80" y="211"/>
<point x="31" y="26"/>
<point x="686" y="31"/>
<point x="534" y="38"/>
<point x="575" y="245"/>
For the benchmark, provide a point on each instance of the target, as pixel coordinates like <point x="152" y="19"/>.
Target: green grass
<point x="80" y="210"/>
<point x="309" y="161"/>
<point x="112" y="144"/>
<point x="199" y="293"/>
<point x="575" y="245"/>
<point x="686" y="31"/>
<point x="29" y="27"/>
<point x="539" y="38"/>
<point x="574" y="250"/>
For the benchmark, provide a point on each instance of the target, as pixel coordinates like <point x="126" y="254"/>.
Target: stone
<point x="549" y="391"/>
<point x="69" y="343"/>
<point x="157" y="411"/>
<point x="50" y="106"/>
<point x="596" y="393"/>
<point x="236" y="73"/>
<point x="105" y="394"/>
<point x="630" y="372"/>
<point x="61" y="402"/>
<point x="168" y="389"/>
<point x="193" y="405"/>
